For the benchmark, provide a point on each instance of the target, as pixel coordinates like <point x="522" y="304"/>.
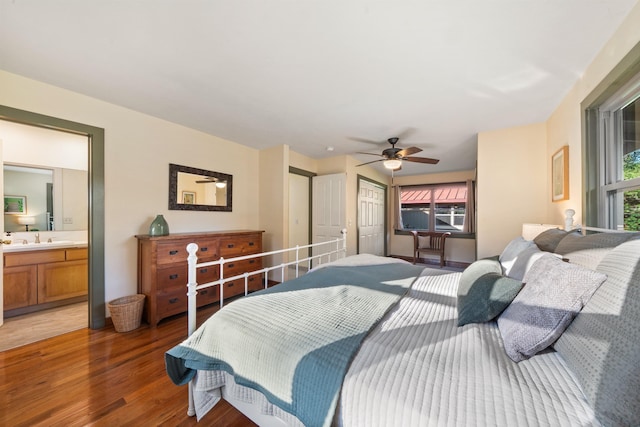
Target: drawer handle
<point x="204" y="270"/>
<point x="173" y="300"/>
<point x="230" y="245"/>
<point x="204" y="292"/>
<point x="250" y="243"/>
<point x="173" y="276"/>
<point x="251" y="279"/>
<point x="252" y="261"/>
<point x="204" y="249"/>
<point x="230" y="265"/>
<point x="173" y="252"/>
<point x="230" y="285"/>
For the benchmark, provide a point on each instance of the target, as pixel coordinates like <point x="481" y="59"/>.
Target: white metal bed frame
<point x="333" y="248"/>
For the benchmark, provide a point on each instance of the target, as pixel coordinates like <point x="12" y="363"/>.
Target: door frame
<point x="386" y="211"/>
<point x="310" y="175"/>
<point x="95" y="136"/>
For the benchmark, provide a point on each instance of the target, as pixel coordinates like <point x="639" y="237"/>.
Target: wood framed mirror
<point x="193" y="189"/>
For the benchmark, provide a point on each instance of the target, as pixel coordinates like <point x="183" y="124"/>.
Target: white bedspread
<point x="418" y="368"/>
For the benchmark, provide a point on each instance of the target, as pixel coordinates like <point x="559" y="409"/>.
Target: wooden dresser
<point x="162" y="268"/>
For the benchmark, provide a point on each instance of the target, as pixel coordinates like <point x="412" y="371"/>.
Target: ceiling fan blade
<point x="421" y="160"/>
<point x="371" y="154"/>
<point x="374" y="161"/>
<point x="368" y="141"/>
<point x="409" y="151"/>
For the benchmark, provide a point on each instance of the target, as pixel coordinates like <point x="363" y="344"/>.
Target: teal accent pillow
<point x="486" y="297"/>
<point x="479" y="268"/>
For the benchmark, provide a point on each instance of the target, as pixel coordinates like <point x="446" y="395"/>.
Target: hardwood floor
<point x="101" y="378"/>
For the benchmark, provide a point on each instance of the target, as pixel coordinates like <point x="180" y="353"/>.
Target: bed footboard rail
<point x="326" y="251"/>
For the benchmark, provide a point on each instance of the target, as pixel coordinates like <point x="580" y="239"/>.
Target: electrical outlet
<point x="68" y="220"/>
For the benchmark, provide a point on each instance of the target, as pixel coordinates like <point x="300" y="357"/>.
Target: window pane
<point x="415" y="217"/>
<point x="631" y="214"/>
<point x="631" y="140"/>
<point x="449" y="217"/>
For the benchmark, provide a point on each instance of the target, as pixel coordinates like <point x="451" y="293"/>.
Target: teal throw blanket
<point x="294" y="342"/>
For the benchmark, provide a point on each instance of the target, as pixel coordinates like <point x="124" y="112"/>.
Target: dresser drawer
<point x="236" y="287"/>
<point x="178" y="276"/>
<point x="239" y="267"/>
<point x="170" y="303"/>
<point x="237" y="246"/>
<point x="176" y="252"/>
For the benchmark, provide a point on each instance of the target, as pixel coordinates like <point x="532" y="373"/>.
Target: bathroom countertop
<point x="60" y="244"/>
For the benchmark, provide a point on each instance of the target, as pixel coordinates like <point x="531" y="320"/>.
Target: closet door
<point x="329" y="207"/>
<point x="371" y="218"/>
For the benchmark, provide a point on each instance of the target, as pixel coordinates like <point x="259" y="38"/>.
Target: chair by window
<point x="429" y="242"/>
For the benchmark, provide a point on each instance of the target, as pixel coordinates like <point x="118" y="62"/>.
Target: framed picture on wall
<point x="188" y="198"/>
<point x="15" y="205"/>
<point x="560" y="175"/>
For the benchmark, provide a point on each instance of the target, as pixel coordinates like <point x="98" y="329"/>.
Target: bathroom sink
<point x="19" y="246"/>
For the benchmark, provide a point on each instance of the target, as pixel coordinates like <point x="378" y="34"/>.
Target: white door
<point x="371" y="227"/>
<point x="299" y="226"/>
<point x="329" y="207"/>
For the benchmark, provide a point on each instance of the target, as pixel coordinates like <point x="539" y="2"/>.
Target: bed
<point x="404" y="361"/>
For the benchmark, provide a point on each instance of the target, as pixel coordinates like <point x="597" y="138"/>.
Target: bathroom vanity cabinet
<point x="44" y="278"/>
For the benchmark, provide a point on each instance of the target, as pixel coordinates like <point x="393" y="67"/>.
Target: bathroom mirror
<point x="52" y="198"/>
<point x="195" y="189"/>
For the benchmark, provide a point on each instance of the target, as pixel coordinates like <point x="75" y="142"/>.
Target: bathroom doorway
<point x="95" y="229"/>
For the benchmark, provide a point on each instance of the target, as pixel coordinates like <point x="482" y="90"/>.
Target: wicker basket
<point x="126" y="312"/>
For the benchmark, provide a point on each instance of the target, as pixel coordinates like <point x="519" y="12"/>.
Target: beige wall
<point x="514" y="164"/>
<point x="138" y="150"/>
<point x="459" y="250"/>
<point x="565" y="125"/>
<point x="512" y="184"/>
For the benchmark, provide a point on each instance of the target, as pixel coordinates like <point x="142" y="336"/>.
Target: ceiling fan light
<point x="392" y="163"/>
<point x="221" y="184"/>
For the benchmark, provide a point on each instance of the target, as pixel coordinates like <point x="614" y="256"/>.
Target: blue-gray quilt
<point x="294" y="342"/>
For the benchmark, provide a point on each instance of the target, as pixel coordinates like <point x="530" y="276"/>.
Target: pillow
<point x="424" y="241"/>
<point x="477" y="269"/>
<point x="589" y="250"/>
<point x="554" y="292"/>
<point x="511" y="251"/>
<point x="485" y="298"/>
<point x="525" y="260"/>
<point x="549" y="239"/>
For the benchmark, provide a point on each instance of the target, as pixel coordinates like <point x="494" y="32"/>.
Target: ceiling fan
<point x="392" y="157"/>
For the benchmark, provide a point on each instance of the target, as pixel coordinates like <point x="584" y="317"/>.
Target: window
<point x="439" y="207"/>
<point x="614" y="172"/>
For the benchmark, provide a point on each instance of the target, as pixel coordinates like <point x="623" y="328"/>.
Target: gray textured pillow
<point x="602" y="344"/>
<point x="589" y="250"/>
<point x="511" y="252"/>
<point x="554" y="292"/>
<point x="524" y="261"/>
<point x="485" y="298"/>
<point x="549" y="239"/>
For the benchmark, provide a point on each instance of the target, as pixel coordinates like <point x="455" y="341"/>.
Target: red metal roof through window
<point x="454" y="193"/>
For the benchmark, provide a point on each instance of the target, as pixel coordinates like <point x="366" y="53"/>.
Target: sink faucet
<point x="37" y="237"/>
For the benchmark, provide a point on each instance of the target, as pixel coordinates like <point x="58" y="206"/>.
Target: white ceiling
<point x="318" y="73"/>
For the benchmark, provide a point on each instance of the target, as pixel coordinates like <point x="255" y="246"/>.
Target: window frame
<point x="602" y="158"/>
<point x="432" y="209"/>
